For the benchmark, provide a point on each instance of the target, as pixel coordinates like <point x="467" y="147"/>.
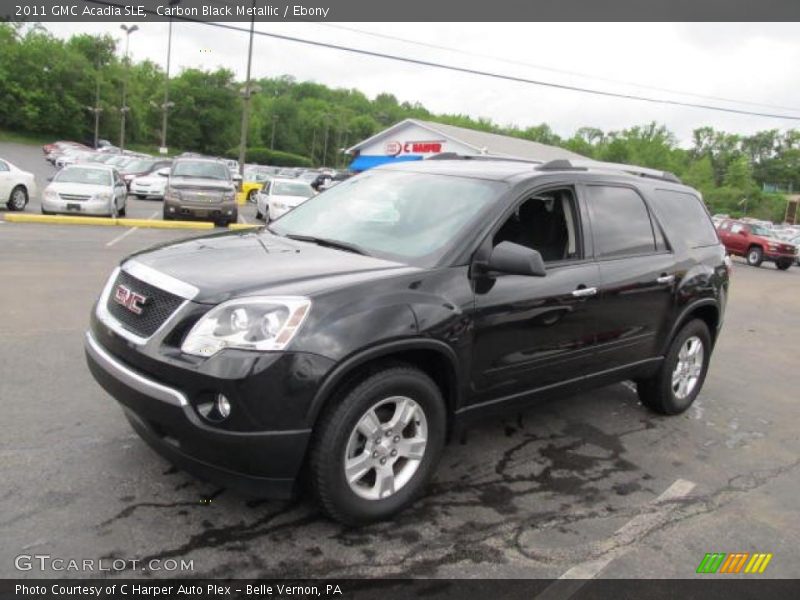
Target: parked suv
<point x="353" y="335"/>
<point x="757" y="244"/>
<point x="200" y="188"/>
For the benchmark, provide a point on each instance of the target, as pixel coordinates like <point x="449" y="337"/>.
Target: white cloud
<point x="743" y="61"/>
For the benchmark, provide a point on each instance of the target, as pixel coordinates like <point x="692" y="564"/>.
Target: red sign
<point x="429" y="147"/>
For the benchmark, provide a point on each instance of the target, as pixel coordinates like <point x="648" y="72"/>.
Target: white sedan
<point x="16" y="186"/>
<point x="87" y="189"/>
<point x="153" y="185"/>
<point x="279" y="196"/>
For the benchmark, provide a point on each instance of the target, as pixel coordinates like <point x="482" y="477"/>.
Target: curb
<point x="245" y="225"/>
<point x="108" y="221"/>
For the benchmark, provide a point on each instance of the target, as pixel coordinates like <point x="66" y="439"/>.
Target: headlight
<point x="174" y="194"/>
<point x="772" y="246"/>
<point x="259" y="323"/>
<point x="51" y="194"/>
<point x="102" y="196"/>
<point x="229" y="196"/>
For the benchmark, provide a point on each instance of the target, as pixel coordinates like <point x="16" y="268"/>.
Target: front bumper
<point x="210" y="211"/>
<point x="259" y="463"/>
<point x="82" y="207"/>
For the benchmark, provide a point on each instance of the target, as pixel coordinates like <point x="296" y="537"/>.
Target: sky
<point x="747" y="62"/>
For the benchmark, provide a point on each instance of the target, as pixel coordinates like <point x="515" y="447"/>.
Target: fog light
<point x="223" y="406"/>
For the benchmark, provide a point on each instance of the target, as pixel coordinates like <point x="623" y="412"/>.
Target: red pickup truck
<point x="756" y="243"/>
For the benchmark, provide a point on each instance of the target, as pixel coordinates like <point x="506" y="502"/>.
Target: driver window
<point x="546" y="222"/>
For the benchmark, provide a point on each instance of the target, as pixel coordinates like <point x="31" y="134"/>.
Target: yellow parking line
<point x="106" y="221"/>
<point x="244" y="226"/>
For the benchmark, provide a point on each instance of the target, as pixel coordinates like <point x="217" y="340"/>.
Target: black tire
<point x="251" y="195"/>
<point x="259" y="216"/>
<point x="755" y="256"/>
<point x="17" y="199"/>
<point x="141" y="196"/>
<point x="166" y="216"/>
<point x="783" y="263"/>
<point x="657" y="393"/>
<point x="338" y="422"/>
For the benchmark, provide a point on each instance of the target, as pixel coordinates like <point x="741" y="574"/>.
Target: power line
<point x="550" y="69"/>
<point x="478" y="72"/>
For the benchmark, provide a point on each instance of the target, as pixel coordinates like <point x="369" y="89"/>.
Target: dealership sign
<point x="422" y="147"/>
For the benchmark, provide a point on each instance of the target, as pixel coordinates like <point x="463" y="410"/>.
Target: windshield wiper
<point x="327" y="243"/>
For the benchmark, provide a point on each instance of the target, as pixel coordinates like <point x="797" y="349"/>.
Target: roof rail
<point x="583" y="165"/>
<point x="486" y="157"/>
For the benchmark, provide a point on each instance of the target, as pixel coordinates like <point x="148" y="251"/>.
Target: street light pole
<point x="248" y="92"/>
<point x="124" y="109"/>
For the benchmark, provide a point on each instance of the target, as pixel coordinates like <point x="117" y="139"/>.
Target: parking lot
<point x="592" y="485"/>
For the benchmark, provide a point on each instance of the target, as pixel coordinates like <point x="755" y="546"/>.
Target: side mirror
<point x="742" y="232"/>
<point x="508" y="257"/>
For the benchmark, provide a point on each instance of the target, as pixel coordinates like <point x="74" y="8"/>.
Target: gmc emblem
<point x="129" y="299"/>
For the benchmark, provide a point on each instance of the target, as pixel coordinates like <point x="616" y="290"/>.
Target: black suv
<point x="352" y="336"/>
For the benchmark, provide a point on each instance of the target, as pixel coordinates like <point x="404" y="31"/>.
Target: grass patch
<point x="31" y="139"/>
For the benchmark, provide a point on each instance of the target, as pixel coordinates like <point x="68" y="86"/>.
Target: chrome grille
<point x="74" y="197"/>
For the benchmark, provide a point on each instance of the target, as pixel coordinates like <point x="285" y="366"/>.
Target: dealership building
<point x="413" y="139"/>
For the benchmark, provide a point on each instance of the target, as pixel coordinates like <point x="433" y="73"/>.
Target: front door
<point x="532" y="333"/>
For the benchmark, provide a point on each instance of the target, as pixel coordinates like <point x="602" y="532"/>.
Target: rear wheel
<point x="783" y="263"/>
<point x="755" y="256"/>
<point x="680" y="377"/>
<point x="18" y="199"/>
<point x="376" y="448"/>
<point x="251" y="195"/>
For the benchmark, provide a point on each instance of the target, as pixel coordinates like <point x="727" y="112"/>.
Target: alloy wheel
<point x="688" y="368"/>
<point x="386" y="448"/>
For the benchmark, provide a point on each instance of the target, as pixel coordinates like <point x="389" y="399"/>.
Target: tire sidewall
<point x="672" y="404"/>
<point x="403" y="382"/>
<point x="11" y="206"/>
<point x="759" y="256"/>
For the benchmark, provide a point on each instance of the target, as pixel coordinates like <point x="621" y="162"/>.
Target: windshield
<point x="286" y="188"/>
<point x="257" y="176"/>
<point x="88" y="176"/>
<point x="201" y="168"/>
<point x="397" y="215"/>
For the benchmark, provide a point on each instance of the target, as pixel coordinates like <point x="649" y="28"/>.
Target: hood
<point x="199" y="183"/>
<point x="227" y="265"/>
<point x="79" y="189"/>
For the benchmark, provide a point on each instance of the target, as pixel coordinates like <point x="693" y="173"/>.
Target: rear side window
<point x="685" y="216"/>
<point x="620" y="222"/>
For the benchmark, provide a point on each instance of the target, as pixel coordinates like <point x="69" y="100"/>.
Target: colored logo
<point x="129" y="299"/>
<point x="393" y="148"/>
<point x="736" y="562"/>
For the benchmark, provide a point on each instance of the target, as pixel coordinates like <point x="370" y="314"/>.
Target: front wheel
<point x="755" y="256"/>
<point x="251" y="195"/>
<point x="783" y="263"/>
<point x="18" y="199"/>
<point x="376" y="448"/>
<point x="680" y="377"/>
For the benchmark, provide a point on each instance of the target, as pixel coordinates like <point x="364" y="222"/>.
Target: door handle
<point x="584" y="292"/>
<point x="664" y="279"/>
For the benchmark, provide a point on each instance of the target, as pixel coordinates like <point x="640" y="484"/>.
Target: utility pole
<point x="272" y="140"/>
<point x="247" y="92"/>
<point x="96" y="109"/>
<point x="167" y="104"/>
<point x="326" y="118"/>
<point x="124" y="108"/>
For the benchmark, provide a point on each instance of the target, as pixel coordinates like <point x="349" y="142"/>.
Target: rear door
<point x="638" y="275"/>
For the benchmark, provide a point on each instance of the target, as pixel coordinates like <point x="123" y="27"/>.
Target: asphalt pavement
<point x="588" y="486"/>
